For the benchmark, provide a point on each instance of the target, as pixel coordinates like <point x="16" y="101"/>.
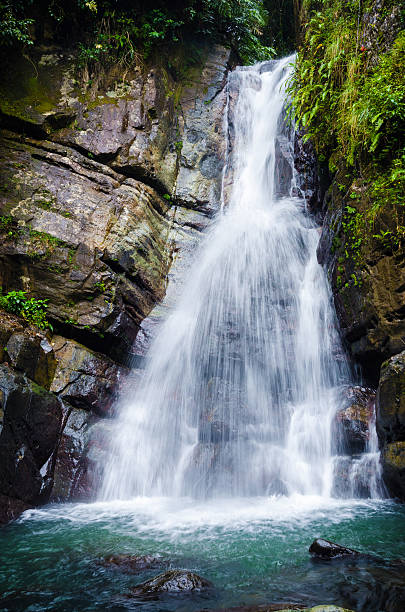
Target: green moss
<point x="395" y="455"/>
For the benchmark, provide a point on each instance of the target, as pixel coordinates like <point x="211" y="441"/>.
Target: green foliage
<point x="14" y="26"/>
<point x="100" y="285"/>
<point x="345" y="101"/>
<point x="348" y="93"/>
<point x="31" y="309"/>
<point x="119" y="30"/>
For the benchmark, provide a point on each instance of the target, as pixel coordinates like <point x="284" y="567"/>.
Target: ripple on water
<point x="254" y="550"/>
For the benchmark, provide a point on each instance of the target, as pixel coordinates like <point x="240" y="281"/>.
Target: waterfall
<point x="246" y="374"/>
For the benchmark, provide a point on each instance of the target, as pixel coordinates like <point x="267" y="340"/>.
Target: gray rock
<point x="174" y="581"/>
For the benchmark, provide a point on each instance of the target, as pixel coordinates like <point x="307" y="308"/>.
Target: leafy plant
<point x="14" y="26"/>
<point x="31" y="309"/>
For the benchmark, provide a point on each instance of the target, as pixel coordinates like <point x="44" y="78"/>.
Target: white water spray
<point x="242" y="381"/>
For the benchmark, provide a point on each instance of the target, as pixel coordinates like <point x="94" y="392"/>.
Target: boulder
<point x="174" y="581"/>
<point x="324" y="549"/>
<point x="32" y="425"/>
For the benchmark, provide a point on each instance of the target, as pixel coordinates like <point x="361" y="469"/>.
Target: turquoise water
<point x="252" y="550"/>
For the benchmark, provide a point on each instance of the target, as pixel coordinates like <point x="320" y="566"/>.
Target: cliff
<point x="101" y="185"/>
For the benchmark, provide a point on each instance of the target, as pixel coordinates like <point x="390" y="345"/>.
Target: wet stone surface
<point x="174" y="581"/>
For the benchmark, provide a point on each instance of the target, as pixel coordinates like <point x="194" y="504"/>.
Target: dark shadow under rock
<point x="132" y="564"/>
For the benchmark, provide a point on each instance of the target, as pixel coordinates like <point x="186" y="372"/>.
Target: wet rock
<point x="31" y="429"/>
<point x="393" y="463"/>
<point x="132" y="564"/>
<point x="369" y="301"/>
<point x="390" y="421"/>
<point x="95" y="448"/>
<point x="351" y="425"/>
<point x="11" y="508"/>
<point x="86" y="379"/>
<point x="174" y="581"/>
<point x="391" y="400"/>
<point x="283" y="170"/>
<point x="307" y="172"/>
<point x="32" y="353"/>
<point x="357" y="476"/>
<point x="26" y="349"/>
<point x="202" y="146"/>
<point x="213" y="431"/>
<point x="378" y="586"/>
<point x="324" y="549"/>
<point x="69" y="454"/>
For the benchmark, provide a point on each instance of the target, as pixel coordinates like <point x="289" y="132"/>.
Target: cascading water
<point x="245" y="376"/>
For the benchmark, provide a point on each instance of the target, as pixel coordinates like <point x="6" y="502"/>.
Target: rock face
<point x="391" y="423"/>
<point x="92" y="188"/>
<point x="174" y="581"/>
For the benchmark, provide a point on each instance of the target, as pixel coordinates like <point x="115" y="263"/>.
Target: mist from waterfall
<point x="244" y="378"/>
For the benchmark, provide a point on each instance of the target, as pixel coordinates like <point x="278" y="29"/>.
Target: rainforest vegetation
<point x="348" y="93"/>
<point x="107" y="30"/>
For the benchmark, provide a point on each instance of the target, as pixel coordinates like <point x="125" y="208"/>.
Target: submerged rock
<point x="174" y="581"/>
<point x="324" y="549"/>
<point x="131" y="563"/>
